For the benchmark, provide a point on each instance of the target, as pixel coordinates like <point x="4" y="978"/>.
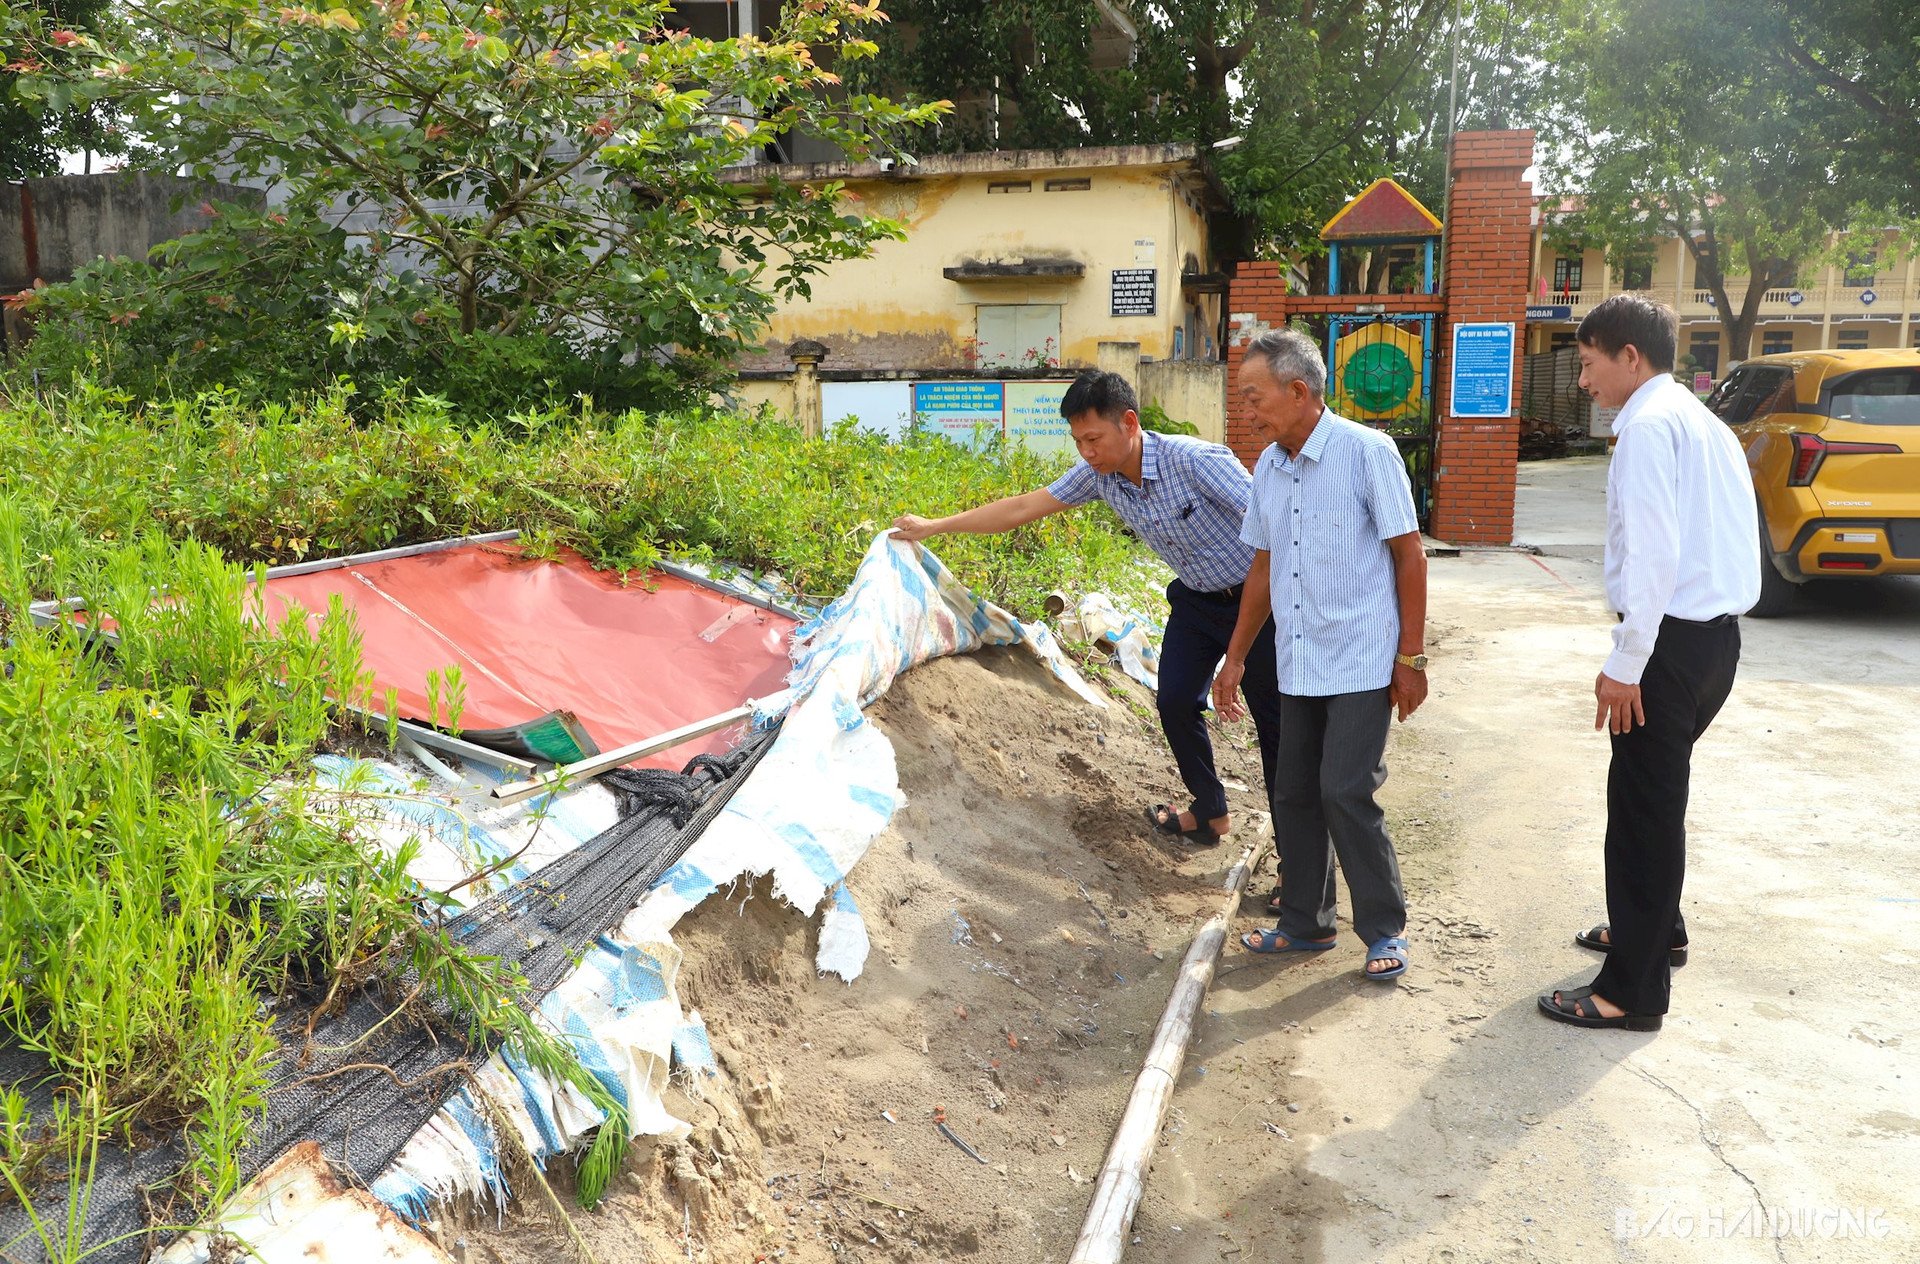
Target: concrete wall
<point x="895" y="310"/>
<point x="77" y="219"/>
<point x="1189" y="390"/>
<point x="14" y="274"/>
<point x="776" y="392"/>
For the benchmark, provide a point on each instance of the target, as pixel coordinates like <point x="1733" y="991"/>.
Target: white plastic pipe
<point x="1116" y="1196"/>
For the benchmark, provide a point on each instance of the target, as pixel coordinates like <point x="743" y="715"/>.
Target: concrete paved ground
<point x="1777" y="1115"/>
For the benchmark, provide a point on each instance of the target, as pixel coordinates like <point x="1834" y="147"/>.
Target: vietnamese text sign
<point x="969" y="413"/>
<point x="1135" y="291"/>
<point x="1482" y="370"/>
<point x="1033" y="416"/>
<point x="1550" y="312"/>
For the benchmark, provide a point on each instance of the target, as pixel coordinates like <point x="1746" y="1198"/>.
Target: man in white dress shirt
<point x="1682" y="564"/>
<point x="1339" y="560"/>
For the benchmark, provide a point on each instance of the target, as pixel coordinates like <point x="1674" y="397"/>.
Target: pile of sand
<point x="1026" y="925"/>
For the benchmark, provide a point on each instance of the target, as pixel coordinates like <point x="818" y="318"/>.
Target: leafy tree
<point x="1683" y="130"/>
<point x="1497" y="64"/>
<point x="1852" y="67"/>
<point x="444" y="176"/>
<point x="1315" y="92"/>
<point x="30" y="142"/>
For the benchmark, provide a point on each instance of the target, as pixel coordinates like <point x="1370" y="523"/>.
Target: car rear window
<point x="1875" y="397"/>
<point x="1754" y="390"/>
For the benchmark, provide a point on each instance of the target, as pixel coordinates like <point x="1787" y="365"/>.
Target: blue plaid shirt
<point x="1325" y="517"/>
<point x="1188" y="507"/>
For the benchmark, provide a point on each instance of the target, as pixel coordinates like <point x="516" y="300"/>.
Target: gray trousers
<point x="1331" y="761"/>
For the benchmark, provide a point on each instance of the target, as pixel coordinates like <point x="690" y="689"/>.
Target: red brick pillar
<point x="1489" y="214"/>
<point x="1257" y="303"/>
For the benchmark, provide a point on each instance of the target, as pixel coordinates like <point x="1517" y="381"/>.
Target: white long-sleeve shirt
<point x="1683" y="531"/>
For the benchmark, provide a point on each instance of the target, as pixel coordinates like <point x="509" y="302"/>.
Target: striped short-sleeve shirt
<point x="1188" y="506"/>
<point x="1324" y="516"/>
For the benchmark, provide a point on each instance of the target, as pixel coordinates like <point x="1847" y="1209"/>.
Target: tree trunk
<point x="469" y="294"/>
<point x="1377" y="270"/>
<point x="1740" y="328"/>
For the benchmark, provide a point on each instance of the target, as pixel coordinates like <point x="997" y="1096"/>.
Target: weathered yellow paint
<point x="776" y="393"/>
<point x="895" y="310"/>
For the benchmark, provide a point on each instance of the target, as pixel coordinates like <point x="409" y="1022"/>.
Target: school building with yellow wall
<point x="1017" y="266"/>
<point x="1873" y="301"/>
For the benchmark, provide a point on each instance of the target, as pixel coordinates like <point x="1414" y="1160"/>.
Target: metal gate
<point x="1380" y="372"/>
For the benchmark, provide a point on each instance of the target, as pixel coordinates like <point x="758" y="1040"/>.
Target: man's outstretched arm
<point x="989" y="519"/>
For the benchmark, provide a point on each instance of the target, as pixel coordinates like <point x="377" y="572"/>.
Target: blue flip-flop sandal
<point x="1269" y="942"/>
<point x="1392" y="948"/>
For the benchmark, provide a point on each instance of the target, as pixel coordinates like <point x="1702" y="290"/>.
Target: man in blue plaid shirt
<point x="1186" y="498"/>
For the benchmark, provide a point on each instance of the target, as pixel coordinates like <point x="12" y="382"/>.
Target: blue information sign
<point x="1482" y="370"/>
<point x="1550" y="311"/>
<point x="969" y="413"/>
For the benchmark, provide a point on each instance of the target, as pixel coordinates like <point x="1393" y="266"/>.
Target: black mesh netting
<point x="367" y="1079"/>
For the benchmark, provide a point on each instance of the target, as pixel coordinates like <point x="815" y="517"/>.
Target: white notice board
<point x="883" y="407"/>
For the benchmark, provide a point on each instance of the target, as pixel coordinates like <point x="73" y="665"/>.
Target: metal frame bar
<point x="606" y="761"/>
<point x="385" y="555"/>
<point x="46" y="613"/>
<point x="436" y="740"/>
<point x="753" y="599"/>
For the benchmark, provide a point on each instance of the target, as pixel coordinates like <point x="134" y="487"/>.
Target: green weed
<point x="283" y="482"/>
<point x="165" y="858"/>
<point x="165" y="861"/>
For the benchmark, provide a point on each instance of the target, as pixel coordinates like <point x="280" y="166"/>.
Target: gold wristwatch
<point x="1416" y="661"/>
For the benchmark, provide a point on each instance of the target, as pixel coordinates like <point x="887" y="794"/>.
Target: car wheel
<point x="1778" y="594"/>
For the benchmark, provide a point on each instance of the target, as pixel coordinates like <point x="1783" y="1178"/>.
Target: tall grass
<point x="153" y="888"/>
<point x="282" y="482"/>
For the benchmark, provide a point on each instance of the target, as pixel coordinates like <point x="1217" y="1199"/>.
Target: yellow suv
<point x="1833" y="439"/>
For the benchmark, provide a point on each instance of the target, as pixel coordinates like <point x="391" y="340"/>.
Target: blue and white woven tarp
<point x="814" y="803"/>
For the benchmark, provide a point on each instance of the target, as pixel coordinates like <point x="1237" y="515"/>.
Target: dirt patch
<point x="1026" y="925"/>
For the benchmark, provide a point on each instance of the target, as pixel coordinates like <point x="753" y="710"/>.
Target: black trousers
<point x="1199" y="627"/>
<point x="1685" y="683"/>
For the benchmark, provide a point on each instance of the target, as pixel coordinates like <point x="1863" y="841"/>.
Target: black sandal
<point x="1577" y="1007"/>
<point x="1676" y="955"/>
<point x="1166" y="820"/>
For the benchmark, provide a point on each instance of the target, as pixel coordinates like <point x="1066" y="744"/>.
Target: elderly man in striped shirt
<point x="1186" y="498"/>
<point x="1339" y="558"/>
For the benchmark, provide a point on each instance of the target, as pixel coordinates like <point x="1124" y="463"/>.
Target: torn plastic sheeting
<point x="299" y="1210"/>
<point x="619" y="1010"/>
<point x="806" y="814"/>
<point x="829" y="784"/>
<point x="531" y="636"/>
<point x="1134" y="640"/>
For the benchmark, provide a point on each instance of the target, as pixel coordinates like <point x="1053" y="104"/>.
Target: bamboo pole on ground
<point x="1116" y="1196"/>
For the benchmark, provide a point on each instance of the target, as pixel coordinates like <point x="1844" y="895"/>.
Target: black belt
<point x="1718" y="621"/>
<point x="1224" y="594"/>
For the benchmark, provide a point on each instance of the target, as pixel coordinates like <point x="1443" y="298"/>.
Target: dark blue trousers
<point x="1199" y="627"/>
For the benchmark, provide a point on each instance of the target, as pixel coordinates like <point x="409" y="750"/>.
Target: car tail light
<point x="1810" y="450"/>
